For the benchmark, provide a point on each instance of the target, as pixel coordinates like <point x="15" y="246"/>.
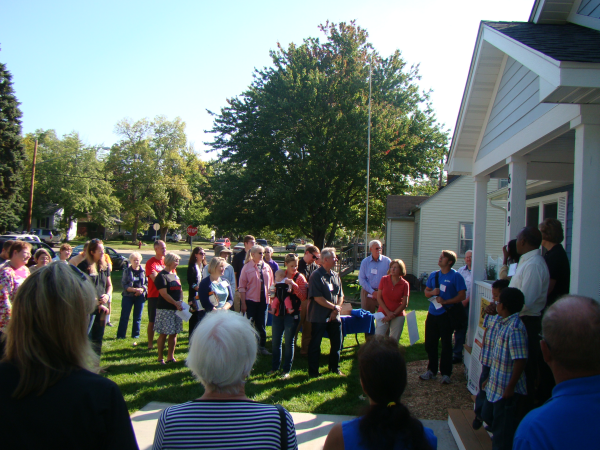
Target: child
<point x="489" y="337"/>
<point x="506" y="384"/>
<point x="279" y="293"/>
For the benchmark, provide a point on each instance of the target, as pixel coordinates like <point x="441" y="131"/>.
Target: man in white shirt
<point x="372" y="268"/>
<point x="460" y="333"/>
<point x="532" y="278"/>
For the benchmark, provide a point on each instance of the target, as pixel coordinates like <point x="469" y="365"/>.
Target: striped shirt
<point x="225" y="424"/>
<point x="511" y="344"/>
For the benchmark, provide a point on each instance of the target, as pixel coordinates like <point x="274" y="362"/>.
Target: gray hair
<point x="270" y="249"/>
<point x="571" y="329"/>
<point x="222" y="351"/>
<point x="170" y="258"/>
<point x="327" y="252"/>
<point x="374" y="241"/>
<point x="135" y="255"/>
<point x="468" y="251"/>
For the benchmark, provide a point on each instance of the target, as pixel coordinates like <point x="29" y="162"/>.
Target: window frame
<point x="458" y="253"/>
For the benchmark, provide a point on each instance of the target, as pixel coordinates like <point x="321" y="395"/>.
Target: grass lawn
<point x="142" y="380"/>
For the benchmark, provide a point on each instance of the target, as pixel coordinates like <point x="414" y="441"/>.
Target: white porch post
<point x="478" y="264"/>
<point x="517" y="195"/>
<point x="586" y="209"/>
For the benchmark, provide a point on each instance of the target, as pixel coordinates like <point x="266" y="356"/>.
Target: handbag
<point x="455" y="312"/>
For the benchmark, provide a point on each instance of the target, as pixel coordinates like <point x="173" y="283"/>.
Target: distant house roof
<point x="566" y="42"/>
<point x="399" y="206"/>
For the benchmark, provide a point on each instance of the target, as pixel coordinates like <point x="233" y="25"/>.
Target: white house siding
<point x="400" y="243"/>
<point x="515" y="107"/>
<point x="589" y="8"/>
<point x="416" y="241"/>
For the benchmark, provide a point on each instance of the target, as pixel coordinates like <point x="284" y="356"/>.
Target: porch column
<point x="478" y="264"/>
<point x="586" y="209"/>
<point x="516" y="207"/>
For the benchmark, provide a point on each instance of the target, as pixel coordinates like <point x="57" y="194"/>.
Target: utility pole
<point x="368" y="159"/>
<point x="29" y="209"/>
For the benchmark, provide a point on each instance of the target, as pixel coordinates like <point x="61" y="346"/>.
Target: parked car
<point x="76" y="251"/>
<point x="223" y="241"/>
<point x="291" y="246"/>
<point x="119" y="261"/>
<point x="35" y="245"/>
<point x="238" y="247"/>
<point x="262" y="242"/>
<point x="173" y="237"/>
<point x="49" y="237"/>
<point x="21" y="237"/>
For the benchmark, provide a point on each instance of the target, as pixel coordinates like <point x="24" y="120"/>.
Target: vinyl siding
<point x="417" y="239"/>
<point x="515" y="107"/>
<point x="589" y="8"/>
<point x="401" y="242"/>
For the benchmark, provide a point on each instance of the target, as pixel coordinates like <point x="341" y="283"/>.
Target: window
<point x="44" y="222"/>
<point x="533" y="214"/>
<point x="465" y="238"/>
<point x="502" y="183"/>
<point x="552" y="206"/>
<point x="551" y="210"/>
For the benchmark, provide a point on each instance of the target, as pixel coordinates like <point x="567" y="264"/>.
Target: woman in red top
<point x="392" y="297"/>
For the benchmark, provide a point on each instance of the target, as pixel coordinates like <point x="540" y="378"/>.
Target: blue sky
<point x="83" y="66"/>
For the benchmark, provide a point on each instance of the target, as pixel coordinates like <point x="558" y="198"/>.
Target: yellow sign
<point x="484" y="304"/>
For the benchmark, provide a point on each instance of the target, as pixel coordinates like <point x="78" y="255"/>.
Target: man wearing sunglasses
<point x="372" y="269"/>
<point x="306" y="266"/>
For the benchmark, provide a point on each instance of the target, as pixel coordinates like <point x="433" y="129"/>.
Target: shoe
<point x="109" y="324"/>
<point x="338" y="372"/>
<point x="445" y="380"/>
<point x="456" y="360"/>
<point x="264" y="351"/>
<point x="429" y="375"/>
<point x="314" y="375"/>
<point x="162" y="361"/>
<point x="477" y="423"/>
<point x="285" y="376"/>
<point x="171" y="360"/>
<point x="271" y="372"/>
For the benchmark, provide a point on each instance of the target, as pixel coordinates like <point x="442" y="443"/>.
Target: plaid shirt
<point x="490" y="323"/>
<point x="510" y="344"/>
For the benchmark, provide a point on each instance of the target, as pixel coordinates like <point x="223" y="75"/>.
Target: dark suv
<point x="34" y="247"/>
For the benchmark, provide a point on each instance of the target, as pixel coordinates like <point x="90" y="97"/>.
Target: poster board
<point x="475" y="363"/>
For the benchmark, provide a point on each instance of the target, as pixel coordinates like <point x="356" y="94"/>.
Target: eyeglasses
<point x="259" y="253"/>
<point x="377" y="248"/>
<point x="541" y="336"/>
<point x="202" y="254"/>
<point x="314" y="257"/>
<point x="95" y="241"/>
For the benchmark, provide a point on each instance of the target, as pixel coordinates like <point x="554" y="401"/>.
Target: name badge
<point x="374" y="271"/>
<point x="224" y="283"/>
<point x="330" y="286"/>
<point x="136" y="278"/>
<point x="443" y="287"/>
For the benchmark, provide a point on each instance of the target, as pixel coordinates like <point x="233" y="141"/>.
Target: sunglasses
<point x="201" y="254"/>
<point x="260" y="253"/>
<point x="314" y="257"/>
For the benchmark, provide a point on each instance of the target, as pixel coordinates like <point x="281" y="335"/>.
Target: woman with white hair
<point x="222" y="353"/>
<point x="167" y="322"/>
<point x="256" y="278"/>
<point x="214" y="291"/>
<point x="50" y="394"/>
<point x="135" y="288"/>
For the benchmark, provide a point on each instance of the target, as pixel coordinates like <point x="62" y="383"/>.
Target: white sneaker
<point x="445" y="380"/>
<point x="429" y="375"/>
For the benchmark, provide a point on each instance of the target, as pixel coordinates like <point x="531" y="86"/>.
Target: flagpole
<point x="368" y="160"/>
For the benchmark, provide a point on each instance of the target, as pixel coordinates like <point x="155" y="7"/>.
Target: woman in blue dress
<point x="387" y="423"/>
<point x="214" y="291"/>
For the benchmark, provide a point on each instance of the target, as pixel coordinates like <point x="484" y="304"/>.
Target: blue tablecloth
<point x="360" y="321"/>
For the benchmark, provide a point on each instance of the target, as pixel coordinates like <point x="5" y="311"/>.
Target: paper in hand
<point x="378" y="316"/>
<point x="435" y="303"/>
<point x="185" y="313"/>
<point x="512" y="269"/>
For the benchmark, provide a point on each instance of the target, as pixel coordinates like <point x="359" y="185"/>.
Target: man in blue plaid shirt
<point x="506" y="384"/>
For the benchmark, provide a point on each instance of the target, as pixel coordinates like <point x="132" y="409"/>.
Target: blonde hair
<point x="135" y="255"/>
<point x="215" y="263"/>
<point x="101" y="265"/>
<point x="253" y="250"/>
<point x="46" y="338"/>
<point x="290" y="257"/>
<point x="170" y="258"/>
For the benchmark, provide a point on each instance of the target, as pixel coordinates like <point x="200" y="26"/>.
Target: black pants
<point x="436" y="328"/>
<point x="257" y="311"/>
<point x="481" y="395"/>
<point x="539" y="378"/>
<point x="96" y="333"/>
<point x="334" y="330"/>
<point x="197" y="316"/>
<point x="503" y="418"/>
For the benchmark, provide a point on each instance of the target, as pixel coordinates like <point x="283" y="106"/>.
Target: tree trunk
<point x="134" y="233"/>
<point x="319" y="238"/>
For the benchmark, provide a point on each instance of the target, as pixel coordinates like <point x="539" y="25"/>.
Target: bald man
<point x="571" y="347"/>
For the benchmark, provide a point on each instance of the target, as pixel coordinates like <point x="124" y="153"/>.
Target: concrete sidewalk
<point x="311" y="429"/>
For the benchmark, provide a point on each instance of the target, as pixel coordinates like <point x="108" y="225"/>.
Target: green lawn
<point x="142" y="380"/>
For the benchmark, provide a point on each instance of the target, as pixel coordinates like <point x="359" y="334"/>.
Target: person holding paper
<point x="392" y="296"/>
<point x="511" y="259"/>
<point x="215" y="291"/>
<point x="372" y="269"/>
<point x="167" y="322"/>
<point x="448" y="287"/>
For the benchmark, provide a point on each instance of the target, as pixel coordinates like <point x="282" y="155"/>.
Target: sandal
<point x="171" y="360"/>
<point x="162" y="361"/>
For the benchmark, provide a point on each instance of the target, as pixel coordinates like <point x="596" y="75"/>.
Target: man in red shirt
<point x="153" y="267"/>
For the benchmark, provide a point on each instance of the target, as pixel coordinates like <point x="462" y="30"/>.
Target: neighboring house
<point x="418" y="233"/>
<point x="531" y="111"/>
<point x="49" y="219"/>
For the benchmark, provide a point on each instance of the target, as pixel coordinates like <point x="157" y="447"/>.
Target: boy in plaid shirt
<point x="506" y="384"/>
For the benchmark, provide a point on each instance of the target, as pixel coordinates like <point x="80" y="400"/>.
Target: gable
<point x="515" y="106"/>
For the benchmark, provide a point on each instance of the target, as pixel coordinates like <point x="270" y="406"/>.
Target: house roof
<point x="399" y="206"/>
<point x="567" y="42"/>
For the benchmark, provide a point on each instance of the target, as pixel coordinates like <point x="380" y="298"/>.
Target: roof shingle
<point x="399" y="206"/>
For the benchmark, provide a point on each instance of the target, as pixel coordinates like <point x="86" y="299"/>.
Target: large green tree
<point x="70" y="175"/>
<point x="293" y="147"/>
<point x="12" y="154"/>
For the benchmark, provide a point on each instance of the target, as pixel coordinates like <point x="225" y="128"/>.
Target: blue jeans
<point x="287" y="323"/>
<point x="257" y="311"/>
<point x="503" y="419"/>
<point x="138" y="308"/>
<point x="481" y="395"/>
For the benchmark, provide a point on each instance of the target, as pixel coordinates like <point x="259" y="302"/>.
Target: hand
<point x="440" y="300"/>
<point x="141" y="291"/>
<point x="102" y="309"/>
<point x="178" y="306"/>
<point x="465" y="303"/>
<point x="334" y="314"/>
<point x="243" y="307"/>
<point x="196" y="288"/>
<point x="103" y="298"/>
<point x="491" y="309"/>
<point x="508" y="392"/>
<point x="338" y="308"/>
<point x="137" y="294"/>
<point x="436" y="291"/>
<point x="291" y="283"/>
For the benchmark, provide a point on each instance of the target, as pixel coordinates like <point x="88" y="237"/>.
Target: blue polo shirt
<point x="568" y="420"/>
<point x="453" y="282"/>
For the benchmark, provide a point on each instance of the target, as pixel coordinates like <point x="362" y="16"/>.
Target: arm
<point x="192" y="277"/>
<point x="459" y="298"/>
<point x="167" y="297"/>
<point x="403" y="305"/>
<point x="242" y="286"/>
<point x="203" y="294"/>
<point x="551" y="286"/>
<point x="229" y="302"/>
<point x="531" y="285"/>
<point x="363" y="278"/>
<point x="518" y="368"/>
<point x="326" y="304"/>
<point x="430" y="289"/>
<point x="335" y="438"/>
<point x="381" y="303"/>
<point x="300" y="289"/>
<point x="503" y="274"/>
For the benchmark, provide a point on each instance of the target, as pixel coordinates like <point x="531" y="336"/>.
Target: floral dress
<point x="10" y="280"/>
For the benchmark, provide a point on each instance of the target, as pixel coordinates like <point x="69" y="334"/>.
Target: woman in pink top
<point x="256" y="278"/>
<point x="12" y="274"/>
<point x="392" y="297"/>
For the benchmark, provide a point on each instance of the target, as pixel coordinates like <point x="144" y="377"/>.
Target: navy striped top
<point x="222" y="424"/>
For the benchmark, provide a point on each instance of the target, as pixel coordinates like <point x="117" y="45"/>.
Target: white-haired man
<point x="570" y="342"/>
<point x="460" y="333"/>
<point x="372" y="268"/>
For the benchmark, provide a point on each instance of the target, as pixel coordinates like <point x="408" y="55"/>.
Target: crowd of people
<point x="53" y="317"/>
